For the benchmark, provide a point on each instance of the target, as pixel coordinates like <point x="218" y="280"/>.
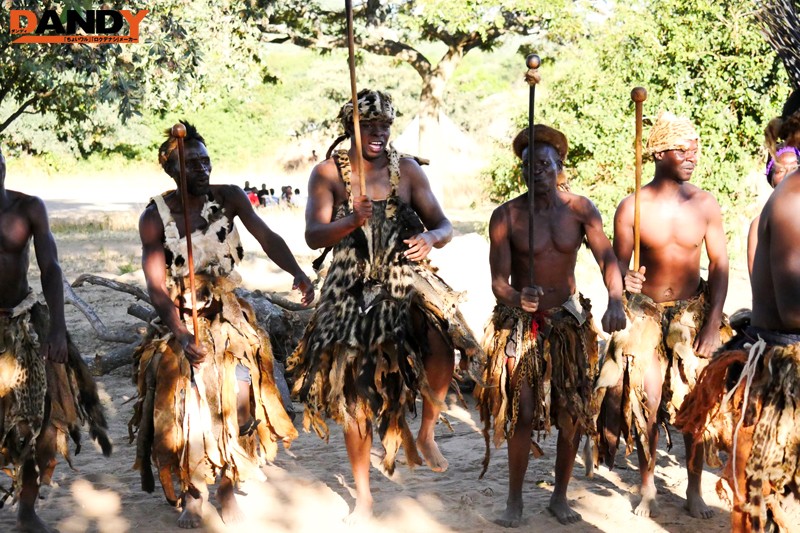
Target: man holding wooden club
<point x="541" y="343"/>
<point x="675" y="317"/>
<point x="208" y="405"/>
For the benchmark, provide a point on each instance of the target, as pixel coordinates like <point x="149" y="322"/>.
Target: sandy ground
<point x="310" y="487"/>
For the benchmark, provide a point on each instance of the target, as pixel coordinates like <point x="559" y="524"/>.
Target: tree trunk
<point x="431" y="101"/>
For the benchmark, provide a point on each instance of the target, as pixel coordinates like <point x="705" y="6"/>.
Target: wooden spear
<point x="532" y="77"/>
<point x="351" y="48"/>
<point x="179" y="132"/>
<point x="638" y="95"/>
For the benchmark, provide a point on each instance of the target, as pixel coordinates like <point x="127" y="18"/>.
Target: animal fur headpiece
<point x="670" y="132"/>
<point x="372" y="105"/>
<point x="542" y="134"/>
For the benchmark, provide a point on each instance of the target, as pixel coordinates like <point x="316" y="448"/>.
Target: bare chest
<point x="15" y="233"/>
<point x="558" y="232"/>
<point x="666" y="225"/>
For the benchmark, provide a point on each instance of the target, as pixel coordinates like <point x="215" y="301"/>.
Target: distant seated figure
<point x="264" y="195"/>
<point x="298" y="200"/>
<point x="253" y="197"/>
<point x="286" y="196"/>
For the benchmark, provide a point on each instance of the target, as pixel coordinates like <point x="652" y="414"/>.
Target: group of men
<point x="208" y="407"/>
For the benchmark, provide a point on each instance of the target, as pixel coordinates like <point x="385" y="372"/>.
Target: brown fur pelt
<point x="662" y="332"/>
<point x="767" y="451"/>
<point x="36" y="393"/>
<point x="773" y="467"/>
<point x="559" y="364"/>
<point x="192" y="432"/>
<point x="702" y="414"/>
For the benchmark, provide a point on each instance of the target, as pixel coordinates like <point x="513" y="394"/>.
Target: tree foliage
<point x="188" y="51"/>
<point x="705" y="59"/>
<point x="406" y="29"/>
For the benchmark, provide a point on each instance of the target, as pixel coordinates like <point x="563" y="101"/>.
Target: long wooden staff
<point x="638" y="95"/>
<point x="351" y="48"/>
<point x="179" y="132"/>
<point x="532" y="77"/>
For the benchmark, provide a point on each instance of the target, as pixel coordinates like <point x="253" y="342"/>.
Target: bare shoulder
<point x="501" y="213"/>
<point x="150" y="216"/>
<point x="702" y="198"/>
<point x="412" y="171"/>
<point x="786" y="197"/>
<point x="626" y="204"/>
<point x="26" y="205"/>
<point x="226" y="191"/>
<point x="580" y="205"/>
<point x="325" y="171"/>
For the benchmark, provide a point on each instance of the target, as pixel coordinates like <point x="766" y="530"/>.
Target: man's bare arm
<point x="55" y="347"/>
<point x="716" y="247"/>
<point x="500" y="258"/>
<point x="321" y="230"/>
<point x="151" y="231"/>
<point x="614" y="318"/>
<point x="425" y="204"/>
<point x="272" y="243"/>
<point x="623" y="234"/>
<point x="752" y="241"/>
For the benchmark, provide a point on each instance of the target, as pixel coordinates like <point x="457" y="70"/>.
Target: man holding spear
<point x="542" y="346"/>
<point x="386" y="325"/>
<point x="208" y="404"/>
<point x="675" y="317"/>
<point x="541" y="343"/>
<point x="379" y="336"/>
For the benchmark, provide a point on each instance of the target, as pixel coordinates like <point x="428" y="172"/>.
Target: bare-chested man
<point x="374" y="343"/>
<point x="675" y="317"/>
<point x="34" y="408"/>
<point x="544" y="330"/>
<point x="783" y="163"/>
<point x="210" y="430"/>
<point x="760" y="366"/>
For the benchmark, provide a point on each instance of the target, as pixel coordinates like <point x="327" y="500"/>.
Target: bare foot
<point x="562" y="511"/>
<point x="30" y="522"/>
<point x="192" y="515"/>
<point x="647" y="506"/>
<point x="361" y="513"/>
<point x="512" y="516"/>
<point x="697" y="507"/>
<point x="430" y="452"/>
<point x="231" y="512"/>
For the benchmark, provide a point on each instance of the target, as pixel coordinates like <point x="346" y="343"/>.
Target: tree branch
<point x="111" y="284"/>
<point x="402" y="52"/>
<point x="102" y="331"/>
<point x="17" y="113"/>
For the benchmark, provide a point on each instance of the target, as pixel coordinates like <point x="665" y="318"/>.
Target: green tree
<point x="188" y="51"/>
<point x="705" y="59"/>
<point x="413" y="31"/>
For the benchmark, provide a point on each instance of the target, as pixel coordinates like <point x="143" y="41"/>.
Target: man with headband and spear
<point x="208" y="404"/>
<point x="541" y="343"/>
<point x="675" y="317"/>
<point x="379" y="336"/>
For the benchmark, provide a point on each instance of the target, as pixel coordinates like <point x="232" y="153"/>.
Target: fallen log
<point x="102" y="331"/>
